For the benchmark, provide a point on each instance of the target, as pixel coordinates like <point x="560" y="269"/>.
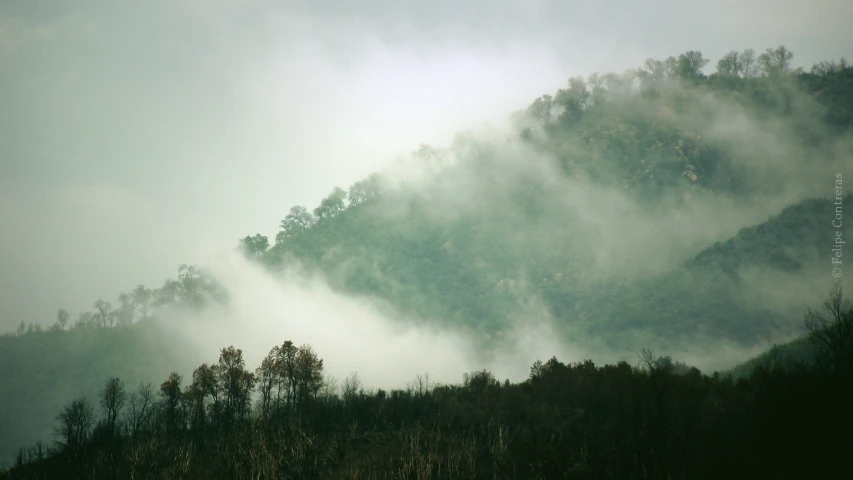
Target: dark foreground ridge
<point x="659" y="419"/>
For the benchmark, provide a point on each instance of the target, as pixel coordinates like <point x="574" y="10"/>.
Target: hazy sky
<point x="135" y="136"/>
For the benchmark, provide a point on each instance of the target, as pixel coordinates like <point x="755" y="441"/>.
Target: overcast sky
<point x="138" y="135"/>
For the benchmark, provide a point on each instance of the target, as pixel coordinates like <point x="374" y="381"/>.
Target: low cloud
<point x="351" y="334"/>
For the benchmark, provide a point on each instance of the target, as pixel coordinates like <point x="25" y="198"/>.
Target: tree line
<point x="567" y="107"/>
<point x="735" y="68"/>
<point x="658" y="419"/>
<point x="193" y="288"/>
<point x="300" y="219"/>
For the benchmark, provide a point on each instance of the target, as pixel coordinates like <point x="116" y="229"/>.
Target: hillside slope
<point x="624" y="214"/>
<point x="626" y="217"/>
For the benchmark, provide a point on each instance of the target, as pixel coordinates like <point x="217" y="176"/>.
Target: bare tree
<point x="75" y="423"/>
<point x="113" y="398"/>
<point x="350" y="387"/>
<point x="330" y="388"/>
<point x="267" y="377"/>
<point x="421" y="385"/>
<point x="831" y="331"/>
<point x="140" y="406"/>
<point x="646" y="359"/>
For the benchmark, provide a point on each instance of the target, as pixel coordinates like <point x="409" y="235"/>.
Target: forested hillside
<point x="660" y="208"/>
<point x="634" y="210"/>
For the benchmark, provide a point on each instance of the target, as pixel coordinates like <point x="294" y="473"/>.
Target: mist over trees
<point x="192" y="288"/>
<point x="648" y="134"/>
<point x="745" y="73"/>
<point x="660" y="418"/>
<point x="490" y="231"/>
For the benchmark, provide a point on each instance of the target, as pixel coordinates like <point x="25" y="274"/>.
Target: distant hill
<point x="44" y="370"/>
<point x="797" y="352"/>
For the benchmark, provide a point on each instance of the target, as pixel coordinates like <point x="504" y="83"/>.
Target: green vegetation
<point x="652" y="142"/>
<point x="660" y="208"/>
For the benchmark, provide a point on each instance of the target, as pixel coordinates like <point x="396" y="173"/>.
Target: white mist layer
<point x="350" y="334"/>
